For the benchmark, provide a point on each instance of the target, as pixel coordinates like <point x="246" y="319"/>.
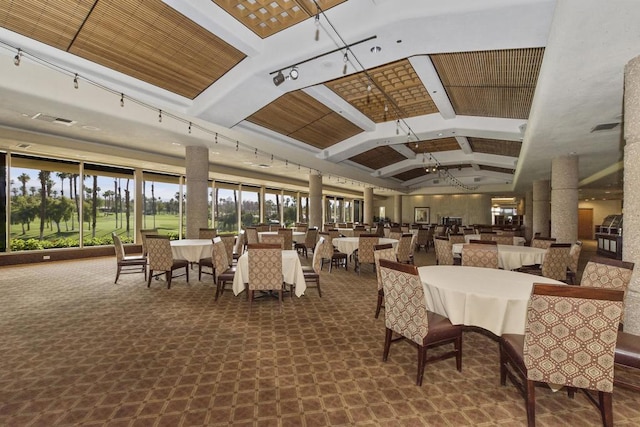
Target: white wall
<point x="473" y="208"/>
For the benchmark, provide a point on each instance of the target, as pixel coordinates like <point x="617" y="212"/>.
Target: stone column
<point x="541" y="207"/>
<point x="368" y="206"/>
<point x="397" y="208"/>
<point x="631" y="232"/>
<point x="564" y="198"/>
<point x="528" y="215"/>
<point x="138" y="203"/>
<point x="315" y="200"/>
<point x="197" y="168"/>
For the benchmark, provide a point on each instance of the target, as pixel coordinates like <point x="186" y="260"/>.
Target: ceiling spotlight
<point x="278" y="79"/>
<point x="376" y="49"/>
<point x="16" y="59"/>
<point x="294" y="73"/>
<point x="345" y="59"/>
<point x="75" y="81"/>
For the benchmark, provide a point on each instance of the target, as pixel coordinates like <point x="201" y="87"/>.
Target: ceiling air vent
<point x="477" y="179"/>
<point x="605" y="126"/>
<point x="51" y="119"/>
<point x="436" y="181"/>
<point x="23" y="146"/>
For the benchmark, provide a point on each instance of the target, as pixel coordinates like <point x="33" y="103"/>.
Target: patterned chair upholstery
<point x="238" y="249"/>
<point x="395" y="235"/>
<point x="542" y="242"/>
<point x="251" y="234"/>
<point x="601" y="272"/>
<point x="479" y="255"/>
<point x="406" y="314"/>
<point x="503" y="240"/>
<point x="422" y="240"/>
<point x="570" y="339"/>
<point x="364" y="255"/>
<point x="207" y="233"/>
<point x="128" y="264"/>
<point x="574" y="258"/>
<point x="330" y="254"/>
<point x="229" y="241"/>
<point x="143" y="238"/>
<point x="468" y="230"/>
<point x="444" y="254"/>
<point x="287" y="233"/>
<point x="312" y="273"/>
<point x="265" y="270"/>
<point x="310" y="240"/>
<point x="487" y="235"/>
<point x="556" y="261"/>
<point x="405" y="252"/>
<point x="161" y="259"/>
<point x="456" y="238"/>
<point x="222" y="273"/>
<point x="357" y="232"/>
<point x="382" y="252"/>
<point x="272" y="239"/>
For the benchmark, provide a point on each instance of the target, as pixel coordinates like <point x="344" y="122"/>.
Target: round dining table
<point x="512" y="257"/>
<point x="193" y="250"/>
<point x="492" y="299"/>
<point x="349" y="244"/>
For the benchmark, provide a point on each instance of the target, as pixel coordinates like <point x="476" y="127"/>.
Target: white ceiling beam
<point x="427" y="73"/>
<point x="447" y="158"/>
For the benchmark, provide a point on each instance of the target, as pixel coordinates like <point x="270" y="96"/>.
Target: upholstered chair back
<point x="405" y="248"/>
<point x="265" y="267"/>
<point x="366" y="242"/>
<point x="556" y="261"/>
<point x="478" y="255"/>
<point x="160" y="255"/>
<point x="382" y="252"/>
<point x="207" y="233"/>
<point x="287" y="233"/>
<point x="444" y="254"/>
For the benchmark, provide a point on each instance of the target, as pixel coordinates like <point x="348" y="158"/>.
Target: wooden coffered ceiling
<point x="147" y="40"/>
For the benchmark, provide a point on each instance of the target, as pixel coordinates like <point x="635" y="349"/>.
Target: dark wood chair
<point x="310" y="240"/>
<point x="312" y="272"/>
<point x="384" y="251"/>
<point x="222" y="272"/>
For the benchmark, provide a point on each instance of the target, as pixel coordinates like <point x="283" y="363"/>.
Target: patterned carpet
<point x="78" y="350"/>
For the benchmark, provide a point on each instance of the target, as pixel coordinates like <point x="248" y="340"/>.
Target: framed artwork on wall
<point x="421" y="215"/>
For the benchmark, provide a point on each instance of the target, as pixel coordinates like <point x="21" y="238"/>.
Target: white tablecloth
<point x="513" y="257"/>
<point x="298" y="236"/>
<point x="191" y="249"/>
<point x="349" y="244"/>
<point x="517" y="240"/>
<point x="291" y="271"/>
<point x="495" y="300"/>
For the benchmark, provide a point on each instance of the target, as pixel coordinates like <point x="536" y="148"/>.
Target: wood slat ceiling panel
<point x="495" y="146"/>
<point x="327" y="131"/>
<point x="152" y="42"/>
<point x="398" y="80"/>
<point x="434" y="145"/>
<point x="52" y="22"/>
<point x="267" y="17"/>
<point x="411" y="174"/>
<point x="496" y="169"/>
<point x="496" y="83"/>
<point x="302" y="117"/>
<point x="378" y="157"/>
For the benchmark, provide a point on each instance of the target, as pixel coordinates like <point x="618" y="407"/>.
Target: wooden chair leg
<point x="606" y="408"/>
<point x="187" y="270"/>
<point x="422" y="357"/>
<point x="531" y="403"/>
<point x="318" y="286"/>
<point x="118" y="274"/>
<point x="457" y="345"/>
<point x="387" y="344"/>
<point x="149" y="280"/>
<point x="379" y="305"/>
<point x="169" y="276"/>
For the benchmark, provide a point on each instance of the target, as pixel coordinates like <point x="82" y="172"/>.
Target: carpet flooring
<point x="77" y="349"/>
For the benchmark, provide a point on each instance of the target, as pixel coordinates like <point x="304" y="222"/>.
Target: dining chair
<point x="251" y="234"/>
<point x="330" y="254"/>
<point x="395" y="235"/>
<point x="302" y="226"/>
<point x="357" y="232"/>
<point x="423" y="239"/>
<point x="312" y="272"/>
<point x="207" y="233"/>
<point x="479" y="255"/>
<point x="310" y="239"/>
<point x="443" y="249"/>
<point x="556" y="261"/>
<point x="287" y="233"/>
<point x="487" y="235"/>
<point x="542" y="242"/>
<point x="503" y="240"/>
<point x="273" y="239"/>
<point x="574" y="258"/>
<point x="265" y="270"/>
<point x="127" y="264"/>
<point x="143" y="238"/>
<point x="456" y="238"/>
<point x="364" y="253"/>
<point x="261" y="228"/>
<point x="601" y="272"/>
<point x="207" y="262"/>
<point x="468" y="230"/>
<point x="229" y="241"/>
<point x="406" y="314"/>
<point x="404" y="228"/>
<point x="405" y="253"/>
<point x="384" y="251"/>
<point x="222" y="272"/>
<point x="569" y="340"/>
<point x="627" y="357"/>
<point x="161" y="259"/>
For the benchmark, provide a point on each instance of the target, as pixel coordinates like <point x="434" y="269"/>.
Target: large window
<point x="272" y="201"/>
<point x="304" y="206"/>
<point x="250" y="211"/>
<point x="162" y="204"/>
<point x="226" y="207"/>
<point x="290" y="210"/>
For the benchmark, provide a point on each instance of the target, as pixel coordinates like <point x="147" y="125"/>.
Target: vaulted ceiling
<point x="485" y="93"/>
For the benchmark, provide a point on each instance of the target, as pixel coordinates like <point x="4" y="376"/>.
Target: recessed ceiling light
<point x="439" y="133"/>
<point x="175" y="143"/>
<point x="87" y="127"/>
<point x="376" y="49"/>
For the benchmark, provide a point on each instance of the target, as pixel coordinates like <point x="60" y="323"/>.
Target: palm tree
<point x="24" y="178"/>
<point x="62" y="176"/>
<point x="94" y="207"/>
<point x="43" y="176"/>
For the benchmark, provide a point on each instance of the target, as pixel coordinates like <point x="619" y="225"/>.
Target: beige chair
<point x="456" y="238"/>
<point x="143" y="238"/>
<point x="265" y="270"/>
<point x="422" y="240"/>
<point x="128" y="264"/>
<point x="287" y="233"/>
<point x="479" y="255"/>
<point x="443" y="249"/>
<point x="310" y="240"/>
<point x="574" y="258"/>
<point x="556" y="261"/>
<point x="222" y="273"/>
<point x="312" y="273"/>
<point x="207" y="262"/>
<point x="384" y="251"/>
<point x="238" y="249"/>
<point x="251" y="234"/>
<point x="161" y="259"/>
<point x="487" y="235"/>
<point x="364" y="253"/>
<point x="503" y="240"/>
<point x="406" y="314"/>
<point x="207" y="233"/>
<point x="228" y="241"/>
<point x="405" y="249"/>
<point x="272" y="239"/>
<point x="570" y="339"/>
<point x="330" y="254"/>
<point x="542" y="242"/>
<point x="601" y="272"/>
<point x="395" y="235"/>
